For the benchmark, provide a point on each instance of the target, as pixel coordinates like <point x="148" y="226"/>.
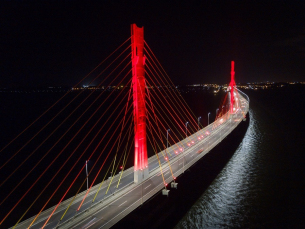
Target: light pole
<point x="216" y="113"/>
<point x="167" y="137"/>
<point x="186" y="129"/>
<point x="198" y="121"/>
<point x="87" y="172"/>
<point x="209" y="118"/>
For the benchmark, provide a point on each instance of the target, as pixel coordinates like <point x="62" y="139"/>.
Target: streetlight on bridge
<point x="87" y="172"/>
<point x="167" y="137"/>
<point x="216" y="112"/>
<point x="209" y="118"/>
<point x="222" y="110"/>
<point x="186" y="129"/>
<point x="198" y="121"/>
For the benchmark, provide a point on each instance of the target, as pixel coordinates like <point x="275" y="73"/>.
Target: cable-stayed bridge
<point x="147" y="116"/>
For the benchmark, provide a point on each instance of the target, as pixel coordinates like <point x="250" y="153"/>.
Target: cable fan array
<point x="45" y="163"/>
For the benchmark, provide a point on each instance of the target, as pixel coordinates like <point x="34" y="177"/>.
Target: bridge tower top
<point x="139" y="108"/>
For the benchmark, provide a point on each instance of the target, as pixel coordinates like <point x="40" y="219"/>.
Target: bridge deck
<point x="109" y="209"/>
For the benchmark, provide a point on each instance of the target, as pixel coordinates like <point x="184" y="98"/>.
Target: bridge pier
<point x="140" y="175"/>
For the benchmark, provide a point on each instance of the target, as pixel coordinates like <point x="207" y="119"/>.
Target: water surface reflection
<point x="235" y="197"/>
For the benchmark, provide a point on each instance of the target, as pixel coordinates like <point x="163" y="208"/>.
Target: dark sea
<point x="254" y="179"/>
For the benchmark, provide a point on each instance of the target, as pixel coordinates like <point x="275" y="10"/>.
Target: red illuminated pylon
<point x="139" y="111"/>
<point x="232" y="87"/>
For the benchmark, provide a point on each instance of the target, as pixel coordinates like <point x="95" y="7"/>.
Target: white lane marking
<point x="87" y="202"/>
<point x="147" y="186"/>
<point x="122" y="203"/>
<point x="48" y="224"/>
<point x="163" y="172"/>
<point x="90" y="223"/>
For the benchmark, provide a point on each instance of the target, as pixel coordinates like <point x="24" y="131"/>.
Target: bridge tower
<point x="232" y="87"/>
<point x="139" y="108"/>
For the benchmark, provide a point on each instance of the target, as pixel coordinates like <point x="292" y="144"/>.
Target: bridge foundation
<point x="141" y="175"/>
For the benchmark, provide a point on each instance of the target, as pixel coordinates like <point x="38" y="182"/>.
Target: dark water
<point x="254" y="179"/>
<point x="263" y="184"/>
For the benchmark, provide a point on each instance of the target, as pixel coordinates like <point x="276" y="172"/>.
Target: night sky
<point x="56" y="43"/>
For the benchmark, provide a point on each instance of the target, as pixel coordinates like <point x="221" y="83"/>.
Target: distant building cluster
<point x="101" y="88"/>
<point x="213" y="88"/>
<point x="266" y="85"/>
<point x="35" y="89"/>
